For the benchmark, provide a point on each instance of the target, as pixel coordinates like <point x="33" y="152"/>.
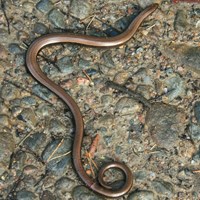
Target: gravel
<point x="159" y="142"/>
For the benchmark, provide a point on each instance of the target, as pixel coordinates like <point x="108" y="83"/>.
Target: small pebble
<point x="22" y="36"/>
<point x="4" y="120"/>
<point x="35" y="141"/>
<point x="163" y="188"/>
<point x="195" y="132"/>
<point x="127" y="105"/>
<point x="3" y="32"/>
<point x="185" y="175"/>
<point x="84" y="64"/>
<point x="9" y="92"/>
<point x="4" y="108"/>
<point x="144" y="90"/>
<point x="28" y="116"/>
<point x="196" y="158"/>
<point x="175" y="86"/>
<point x="105" y="121"/>
<point x="30" y="169"/>
<point x="81" y="192"/>
<point x="165" y="123"/>
<point x="197" y="111"/>
<point x="18" y="25"/>
<point x="3" y="53"/>
<point x="44" y="6"/>
<point x="91" y="71"/>
<point x="180" y="22"/>
<point x="108" y="61"/>
<point x="140" y="176"/>
<point x="106" y="99"/>
<point x="51" y="70"/>
<point x="124" y="22"/>
<point x="142" y="195"/>
<point x="21" y="158"/>
<point x="186" y="149"/>
<point x="42" y="91"/>
<point x="118" y="150"/>
<point x="107" y="139"/>
<point x="44" y="110"/>
<point x="80" y="9"/>
<point x="25" y="195"/>
<point x="15" y="102"/>
<point x="40" y="28"/>
<point x="64" y="185"/>
<point x="47" y="195"/>
<point x="57" y="18"/>
<point x="57" y="127"/>
<point x="121" y="77"/>
<point x="141" y="77"/>
<point x="28" y="6"/>
<point x="28" y="101"/>
<point x="186" y="55"/>
<point x="15" y="48"/>
<point x="197" y="11"/>
<point x="20" y="60"/>
<point x="65" y="65"/>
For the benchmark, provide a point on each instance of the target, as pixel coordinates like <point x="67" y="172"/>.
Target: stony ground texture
<point x="160" y="142"/>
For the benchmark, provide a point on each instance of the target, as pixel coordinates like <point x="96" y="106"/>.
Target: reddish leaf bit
<point x="94" y="145"/>
<point x="188" y="1"/>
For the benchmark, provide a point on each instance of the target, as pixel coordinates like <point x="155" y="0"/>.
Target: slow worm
<point x="99" y="185"/>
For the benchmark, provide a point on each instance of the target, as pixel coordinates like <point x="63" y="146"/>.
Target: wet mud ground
<point x="159" y="142"/>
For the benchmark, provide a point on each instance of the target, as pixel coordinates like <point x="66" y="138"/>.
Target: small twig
<point x="82" y="20"/>
<point x="61" y="142"/>
<point x="95" y="165"/>
<point x="160" y="96"/>
<point x="41" y="178"/>
<point x="90" y="155"/>
<point x="103" y="23"/>
<point x="88" y="77"/>
<point x="11" y="160"/>
<point x="91" y="168"/>
<point x="24" y="45"/>
<point x="90" y="22"/>
<point x="133" y="94"/>
<point x="65" y="154"/>
<point x="5" y="15"/>
<point x="24" y="139"/>
<point x="150" y="27"/>
<point x="153" y="147"/>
